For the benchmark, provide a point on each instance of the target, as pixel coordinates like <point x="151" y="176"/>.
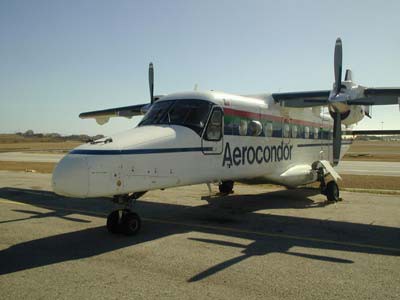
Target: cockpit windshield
<point x="191" y="113"/>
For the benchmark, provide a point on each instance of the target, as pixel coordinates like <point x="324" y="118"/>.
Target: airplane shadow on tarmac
<point x="269" y="233"/>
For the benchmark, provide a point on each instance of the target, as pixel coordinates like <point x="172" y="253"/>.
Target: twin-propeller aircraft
<point x="205" y="137"/>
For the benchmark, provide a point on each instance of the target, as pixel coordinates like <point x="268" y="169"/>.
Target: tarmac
<point x="369" y="168"/>
<point x="255" y="243"/>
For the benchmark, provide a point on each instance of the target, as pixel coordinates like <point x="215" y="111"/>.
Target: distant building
<point x="29" y="133"/>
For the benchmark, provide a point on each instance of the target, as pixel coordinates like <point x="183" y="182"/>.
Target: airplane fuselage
<point x="259" y="138"/>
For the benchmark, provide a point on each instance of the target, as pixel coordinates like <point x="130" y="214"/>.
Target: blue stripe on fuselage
<point x="139" y="151"/>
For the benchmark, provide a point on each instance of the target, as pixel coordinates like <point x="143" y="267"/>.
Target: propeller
<point x="337" y="99"/>
<point x="338" y="66"/>
<point x="343" y="95"/>
<point x="151" y="82"/>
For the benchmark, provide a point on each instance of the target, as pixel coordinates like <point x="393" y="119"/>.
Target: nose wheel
<point x="124" y="220"/>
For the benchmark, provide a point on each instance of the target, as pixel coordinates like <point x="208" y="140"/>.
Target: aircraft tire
<point x="332" y="191"/>
<point x="113" y="225"/>
<point x="226" y="187"/>
<point x="131" y="223"/>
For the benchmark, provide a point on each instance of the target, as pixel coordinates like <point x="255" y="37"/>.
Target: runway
<point x="369" y="168"/>
<point x="345" y="167"/>
<point x="253" y="244"/>
<point x="31" y="157"/>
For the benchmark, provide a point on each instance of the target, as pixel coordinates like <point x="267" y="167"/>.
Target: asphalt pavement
<point x="253" y="244"/>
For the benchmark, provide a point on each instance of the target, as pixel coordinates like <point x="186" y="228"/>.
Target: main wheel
<point x="131" y="223"/>
<point x="113" y="224"/>
<point x="332" y="191"/>
<point x="226" y="187"/>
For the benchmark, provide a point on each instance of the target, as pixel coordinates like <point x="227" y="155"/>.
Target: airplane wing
<point x="103" y="116"/>
<point x="302" y="99"/>
<point x="371" y="132"/>
<point x="368" y="96"/>
<point x="378" y="96"/>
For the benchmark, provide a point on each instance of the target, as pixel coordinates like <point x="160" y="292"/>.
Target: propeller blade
<point x="338" y="65"/>
<point x="337" y="137"/>
<point x="151" y="82"/>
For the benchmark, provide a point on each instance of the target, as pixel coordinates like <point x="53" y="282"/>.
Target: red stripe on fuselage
<point x="252" y="115"/>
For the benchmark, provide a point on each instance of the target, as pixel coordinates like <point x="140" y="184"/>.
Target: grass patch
<point x="369" y="183"/>
<point x="374" y="151"/>
<point x="39" y="167"/>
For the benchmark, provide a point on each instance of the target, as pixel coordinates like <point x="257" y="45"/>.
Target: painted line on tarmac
<point x="221" y="228"/>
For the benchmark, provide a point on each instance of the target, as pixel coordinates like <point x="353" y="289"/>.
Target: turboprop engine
<point x="352" y="115"/>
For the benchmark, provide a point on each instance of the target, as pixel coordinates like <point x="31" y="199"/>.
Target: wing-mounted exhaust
<point x="348" y="76"/>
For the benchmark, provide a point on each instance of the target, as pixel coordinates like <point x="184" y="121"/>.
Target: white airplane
<point x="206" y="137"/>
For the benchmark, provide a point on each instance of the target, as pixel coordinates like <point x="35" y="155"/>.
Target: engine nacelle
<point x="354" y="114"/>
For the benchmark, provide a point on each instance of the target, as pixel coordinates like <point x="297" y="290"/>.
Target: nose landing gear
<point x="124" y="220"/>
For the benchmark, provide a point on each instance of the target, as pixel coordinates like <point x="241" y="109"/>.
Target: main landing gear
<point x="330" y="189"/>
<point x="226" y="187"/>
<point x="124" y="220"/>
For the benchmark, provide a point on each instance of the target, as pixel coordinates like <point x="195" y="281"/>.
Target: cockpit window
<point x="156" y="112"/>
<point x="190" y="113"/>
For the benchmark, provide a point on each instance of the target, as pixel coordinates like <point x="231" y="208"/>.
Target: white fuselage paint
<point x="161" y="156"/>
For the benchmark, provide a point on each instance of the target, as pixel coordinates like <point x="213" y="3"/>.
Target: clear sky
<point x="60" y="58"/>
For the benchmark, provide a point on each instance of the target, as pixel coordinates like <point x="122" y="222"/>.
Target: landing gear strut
<point x="124" y="220"/>
<point x="226" y="187"/>
<point x="330" y="189"/>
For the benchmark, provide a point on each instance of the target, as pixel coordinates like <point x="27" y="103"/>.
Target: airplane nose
<point x="71" y="176"/>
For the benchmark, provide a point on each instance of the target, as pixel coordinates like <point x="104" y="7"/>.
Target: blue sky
<point x="59" y="58"/>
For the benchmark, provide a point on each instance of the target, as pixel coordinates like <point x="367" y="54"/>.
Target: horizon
<point x="60" y="58"/>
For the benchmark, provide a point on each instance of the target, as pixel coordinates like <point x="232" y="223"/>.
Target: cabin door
<point x="212" y="140"/>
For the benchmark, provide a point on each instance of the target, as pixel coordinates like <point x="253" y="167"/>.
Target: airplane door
<point x="212" y="140"/>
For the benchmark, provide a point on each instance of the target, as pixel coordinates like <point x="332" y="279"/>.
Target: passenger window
<point x="306" y="132"/>
<point x="214" y="128"/>
<point x="316" y="131"/>
<point x="286" y="131"/>
<point x="294" y="131"/>
<point x="268" y="129"/>
<point x="255" y="128"/>
<point x="243" y="127"/>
